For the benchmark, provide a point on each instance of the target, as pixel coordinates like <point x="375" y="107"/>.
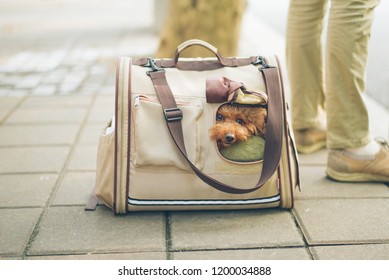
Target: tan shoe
<point x="310" y="140"/>
<point x="344" y="166"/>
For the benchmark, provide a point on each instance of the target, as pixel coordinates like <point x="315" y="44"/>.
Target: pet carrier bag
<point x="156" y="154"/>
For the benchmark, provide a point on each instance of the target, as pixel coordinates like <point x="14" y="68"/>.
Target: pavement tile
<point x="103" y="109"/>
<point x="352" y="252"/>
<point x="317" y="158"/>
<point x="26" y="190"/>
<point x="91" y="134"/>
<point x="316" y="185"/>
<point x="233" y="229"/>
<point x="343" y="221"/>
<point x="18" y="135"/>
<point x="66" y="89"/>
<point x="75" y="77"/>
<point x="32" y="159"/>
<point x="17" y="226"/>
<point x="16" y="61"/>
<point x="4" y="91"/>
<point x="7" y="104"/>
<point x="75" y="188"/>
<point x="29" y="81"/>
<point x="9" y="80"/>
<point x="72" y="230"/>
<point x="55" y="77"/>
<point x="121" y="256"/>
<point x="83" y="158"/>
<point x="41" y="102"/>
<point x="18" y="92"/>
<point x="44" y="90"/>
<point x="251" y="254"/>
<point x="47" y="115"/>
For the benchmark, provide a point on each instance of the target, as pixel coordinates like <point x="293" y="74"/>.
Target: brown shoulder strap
<point x="272" y="153"/>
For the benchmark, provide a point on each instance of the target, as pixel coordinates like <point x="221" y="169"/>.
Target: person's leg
<point x="304" y="61"/>
<point x="305" y="71"/>
<point x="353" y="155"/>
<point x="348" y="36"/>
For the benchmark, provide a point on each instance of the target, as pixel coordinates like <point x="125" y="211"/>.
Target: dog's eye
<point x="240" y="121"/>
<point x="219" y="117"/>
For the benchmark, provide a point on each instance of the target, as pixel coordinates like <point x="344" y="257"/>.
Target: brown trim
<point x="116" y="136"/>
<point x="198" y="65"/>
<point x="287" y="136"/>
<point x="279" y="185"/>
<point x="128" y="136"/>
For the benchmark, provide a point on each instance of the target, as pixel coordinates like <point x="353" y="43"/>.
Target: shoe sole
<point x="355" y="177"/>
<point x="310" y="149"/>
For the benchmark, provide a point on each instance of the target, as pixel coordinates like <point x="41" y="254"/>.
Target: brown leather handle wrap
<point x="272" y="153"/>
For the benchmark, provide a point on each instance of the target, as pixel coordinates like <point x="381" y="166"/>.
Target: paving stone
<point x="7" y="104"/>
<point x="108" y="90"/>
<point x="32" y="159"/>
<point x="66" y="89"/>
<point x="251" y="254"/>
<point x="16" y="61"/>
<point x="34" y="64"/>
<point x="103" y="110"/>
<point x="18" y="92"/>
<point x="316" y="185"/>
<point x="72" y="230"/>
<point x="317" y="158"/>
<point x="46" y="90"/>
<point x="75" y="77"/>
<point x="16" y="228"/>
<point x="9" y="80"/>
<point x="352" y="252"/>
<point x="47" y="115"/>
<point x="17" y="135"/>
<point x="83" y="158"/>
<point x="122" y="256"/>
<point x="55" y="77"/>
<point x="233" y="229"/>
<point x="4" y="92"/>
<point x="51" y="60"/>
<point x="75" y="188"/>
<point x="91" y="134"/>
<point x="39" y="102"/>
<point x="342" y="221"/>
<point x="29" y="82"/>
<point x="26" y="190"/>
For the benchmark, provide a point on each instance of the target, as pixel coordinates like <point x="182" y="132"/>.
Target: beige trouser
<point x="340" y="84"/>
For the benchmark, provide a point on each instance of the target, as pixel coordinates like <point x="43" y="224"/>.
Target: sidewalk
<point x="57" y="71"/>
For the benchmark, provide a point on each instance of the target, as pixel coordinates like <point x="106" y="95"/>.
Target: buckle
<point x="261" y="60"/>
<point x="172" y="114"/>
<point x="154" y="68"/>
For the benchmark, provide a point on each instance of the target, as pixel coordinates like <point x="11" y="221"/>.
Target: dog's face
<point x="234" y="124"/>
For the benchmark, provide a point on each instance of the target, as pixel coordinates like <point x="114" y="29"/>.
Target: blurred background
<point x="85" y="37"/>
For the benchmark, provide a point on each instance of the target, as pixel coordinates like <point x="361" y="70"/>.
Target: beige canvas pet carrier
<point x="156" y="152"/>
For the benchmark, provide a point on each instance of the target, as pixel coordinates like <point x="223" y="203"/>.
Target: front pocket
<point x="153" y="143"/>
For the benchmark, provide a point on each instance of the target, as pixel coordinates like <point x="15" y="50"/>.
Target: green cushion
<point x="250" y="150"/>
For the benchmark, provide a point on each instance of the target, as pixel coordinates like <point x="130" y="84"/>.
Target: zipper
<point x="145" y="98"/>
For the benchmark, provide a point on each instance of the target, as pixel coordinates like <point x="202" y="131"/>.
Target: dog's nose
<point x="230" y="138"/>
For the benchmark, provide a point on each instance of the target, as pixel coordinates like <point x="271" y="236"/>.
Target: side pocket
<point x="154" y="145"/>
<point x="105" y="165"/>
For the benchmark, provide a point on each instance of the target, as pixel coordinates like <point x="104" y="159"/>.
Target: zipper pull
<point x="136" y="102"/>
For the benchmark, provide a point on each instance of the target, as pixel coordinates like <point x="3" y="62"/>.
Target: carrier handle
<point x="196" y="42"/>
<point x="272" y="153"/>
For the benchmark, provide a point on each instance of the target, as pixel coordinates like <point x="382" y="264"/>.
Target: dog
<point x="237" y="123"/>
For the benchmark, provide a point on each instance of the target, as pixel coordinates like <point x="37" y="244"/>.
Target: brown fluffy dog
<point x="234" y="124"/>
